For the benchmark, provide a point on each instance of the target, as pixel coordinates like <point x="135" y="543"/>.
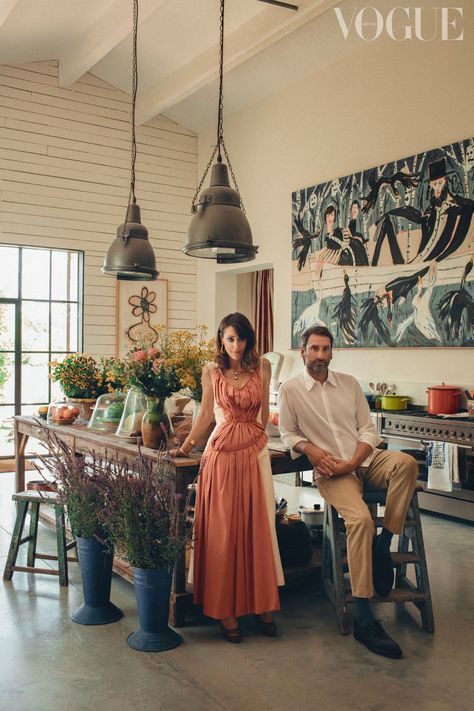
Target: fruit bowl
<point x="62" y="413"/>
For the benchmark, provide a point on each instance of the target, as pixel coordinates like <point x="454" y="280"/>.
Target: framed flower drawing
<point x="141" y="307"/>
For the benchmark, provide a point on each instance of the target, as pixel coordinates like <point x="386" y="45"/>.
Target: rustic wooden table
<point x="83" y="440"/>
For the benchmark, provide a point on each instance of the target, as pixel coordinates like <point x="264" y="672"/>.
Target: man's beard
<point x="318" y="366"/>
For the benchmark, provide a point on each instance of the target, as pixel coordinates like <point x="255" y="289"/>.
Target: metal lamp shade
<point x="131" y="256"/>
<point x="219" y="228"/>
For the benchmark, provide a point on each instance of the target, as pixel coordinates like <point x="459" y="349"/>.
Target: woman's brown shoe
<point x="231" y="634"/>
<point x="269" y="629"/>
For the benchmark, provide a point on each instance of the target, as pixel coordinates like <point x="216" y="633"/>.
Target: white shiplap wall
<point x="65" y="177"/>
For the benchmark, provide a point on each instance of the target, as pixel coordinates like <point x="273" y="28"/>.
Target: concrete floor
<point x="48" y="662"/>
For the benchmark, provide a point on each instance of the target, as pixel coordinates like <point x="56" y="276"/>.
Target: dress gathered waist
<point x="237" y="435"/>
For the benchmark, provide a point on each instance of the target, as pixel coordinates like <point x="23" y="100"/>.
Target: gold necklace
<point x="236" y="374"/>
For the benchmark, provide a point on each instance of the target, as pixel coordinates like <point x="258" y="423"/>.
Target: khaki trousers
<point x="395" y="471"/>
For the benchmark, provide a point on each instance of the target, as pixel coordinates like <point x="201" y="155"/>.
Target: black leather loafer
<point x="383" y="574"/>
<point x="376" y="639"/>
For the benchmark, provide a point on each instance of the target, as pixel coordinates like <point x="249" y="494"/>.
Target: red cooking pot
<point x="444" y="399"/>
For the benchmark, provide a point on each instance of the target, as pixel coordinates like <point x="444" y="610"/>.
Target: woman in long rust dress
<point x="236" y="563"/>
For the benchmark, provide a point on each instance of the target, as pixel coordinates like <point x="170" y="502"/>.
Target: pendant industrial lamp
<point x="130" y="255"/>
<point x="219" y="228"/>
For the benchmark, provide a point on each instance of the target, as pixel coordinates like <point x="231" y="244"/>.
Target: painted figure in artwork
<point x="342" y="246"/>
<point x="421" y="318"/>
<point x="456" y="308"/>
<point x="446" y="224"/>
<point x="345" y="313"/>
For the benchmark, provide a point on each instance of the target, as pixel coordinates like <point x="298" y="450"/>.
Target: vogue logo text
<point x="404" y="23"/>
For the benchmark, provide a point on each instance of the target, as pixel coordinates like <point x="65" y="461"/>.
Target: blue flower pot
<point x="96" y="572"/>
<point x="153" y="590"/>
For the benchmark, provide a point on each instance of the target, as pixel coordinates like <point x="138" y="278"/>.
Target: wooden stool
<point x="34" y="498"/>
<point x="335" y="561"/>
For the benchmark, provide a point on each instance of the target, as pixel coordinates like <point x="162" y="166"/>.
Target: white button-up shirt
<point x="333" y="415"/>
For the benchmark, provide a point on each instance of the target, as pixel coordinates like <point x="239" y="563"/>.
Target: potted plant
<point x="83" y="379"/>
<point x="145" y="520"/>
<point x="150" y="372"/>
<point x="80" y="484"/>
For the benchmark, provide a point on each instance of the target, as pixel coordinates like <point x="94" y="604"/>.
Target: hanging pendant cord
<point x="220" y="122"/>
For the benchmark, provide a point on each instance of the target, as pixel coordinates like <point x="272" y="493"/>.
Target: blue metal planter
<point x="96" y="572"/>
<point x="153" y="590"/>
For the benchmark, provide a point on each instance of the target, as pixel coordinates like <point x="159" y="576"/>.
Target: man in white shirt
<point x="324" y="415"/>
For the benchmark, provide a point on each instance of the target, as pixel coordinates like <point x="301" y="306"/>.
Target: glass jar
<point x="131" y="421"/>
<point x="62" y="413"/>
<point x="108" y="411"/>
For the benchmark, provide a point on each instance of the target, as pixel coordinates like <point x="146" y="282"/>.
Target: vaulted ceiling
<point x="266" y="47"/>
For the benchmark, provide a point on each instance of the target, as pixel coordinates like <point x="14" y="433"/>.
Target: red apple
<point x="274" y="418"/>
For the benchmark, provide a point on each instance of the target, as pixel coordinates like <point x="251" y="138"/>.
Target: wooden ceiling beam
<point x="112" y="29"/>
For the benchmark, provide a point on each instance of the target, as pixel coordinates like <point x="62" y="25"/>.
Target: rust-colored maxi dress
<point x="236" y="563"/>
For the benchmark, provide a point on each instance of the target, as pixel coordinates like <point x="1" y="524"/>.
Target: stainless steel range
<point x="417" y="427"/>
<point x="419" y="424"/>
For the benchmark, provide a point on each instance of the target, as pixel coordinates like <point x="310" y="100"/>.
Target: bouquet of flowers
<point x="189" y="352"/>
<point x="113" y="373"/>
<point x="81" y="376"/>
<point x="150" y="372"/>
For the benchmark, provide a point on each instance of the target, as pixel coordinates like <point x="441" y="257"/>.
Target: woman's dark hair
<point x="244" y="329"/>
<point x="315" y="331"/>
<point x="329" y="210"/>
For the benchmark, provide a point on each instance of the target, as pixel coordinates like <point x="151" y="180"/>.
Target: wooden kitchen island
<point x="83" y="441"/>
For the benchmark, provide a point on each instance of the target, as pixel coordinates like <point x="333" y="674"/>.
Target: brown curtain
<point x="262" y="301"/>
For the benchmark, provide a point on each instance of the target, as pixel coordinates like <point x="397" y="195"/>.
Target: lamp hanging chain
<point x="133" y="154"/>
<point x="220" y="122"/>
<point x="134" y="100"/>
<point x="220" y="103"/>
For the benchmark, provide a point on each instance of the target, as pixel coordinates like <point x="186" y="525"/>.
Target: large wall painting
<point x="385" y="257"/>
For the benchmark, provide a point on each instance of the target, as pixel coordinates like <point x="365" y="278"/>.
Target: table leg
<point x="20" y="444"/>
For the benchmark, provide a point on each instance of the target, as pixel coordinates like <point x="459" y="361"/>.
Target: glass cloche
<point x="108" y="411"/>
<point x="131" y="420"/>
